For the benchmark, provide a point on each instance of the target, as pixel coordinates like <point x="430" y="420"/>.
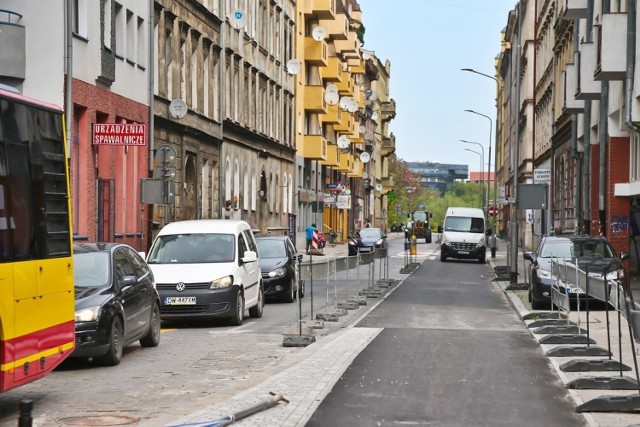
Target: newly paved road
<point x="451" y="352"/>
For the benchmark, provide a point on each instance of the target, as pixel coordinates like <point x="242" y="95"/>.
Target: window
<point x="80" y="18"/>
<point x="107" y="29"/>
<point x="634" y="167"/>
<point x="131" y="37"/>
<point x="142" y="51"/>
<point x="120" y="30"/>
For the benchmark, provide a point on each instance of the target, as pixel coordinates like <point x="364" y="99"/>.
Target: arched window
<point x="246" y="185"/>
<point x="276" y="202"/>
<point x="291" y="191"/>
<point x="254" y="188"/>
<point x="285" y="194"/>
<point x="236" y="184"/>
<point x="227" y="183"/>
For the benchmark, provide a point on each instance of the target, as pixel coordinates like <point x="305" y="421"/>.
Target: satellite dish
<point x="368" y="93"/>
<point x="374" y="115"/>
<point x="373" y="96"/>
<point x="365" y="157"/>
<point x="344" y="102"/>
<point x="378" y="187"/>
<point x="331" y="88"/>
<point x="362" y="129"/>
<point x="177" y="109"/>
<point x="331" y="98"/>
<point x="352" y="107"/>
<point x="293" y="66"/>
<point x="318" y="34"/>
<point x="343" y="142"/>
<point x="238" y="19"/>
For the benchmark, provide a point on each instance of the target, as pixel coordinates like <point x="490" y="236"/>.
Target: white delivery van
<point x="207" y="268"/>
<point x="464" y="235"/>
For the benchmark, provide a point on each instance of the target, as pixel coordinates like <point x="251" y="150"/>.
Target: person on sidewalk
<point x="309" y="230"/>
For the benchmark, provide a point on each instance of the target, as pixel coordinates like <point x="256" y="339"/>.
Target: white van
<point x="464" y="235"/>
<point x="207" y="268"/>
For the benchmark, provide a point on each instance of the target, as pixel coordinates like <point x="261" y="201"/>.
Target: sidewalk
<point x="591" y="380"/>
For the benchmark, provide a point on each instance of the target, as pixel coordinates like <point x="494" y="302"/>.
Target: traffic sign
<point x="492" y="211"/>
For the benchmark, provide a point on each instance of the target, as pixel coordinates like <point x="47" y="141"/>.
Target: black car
<point x="116" y="301"/>
<point x="369" y="239"/>
<point x="588" y="250"/>
<point x="279" y="265"/>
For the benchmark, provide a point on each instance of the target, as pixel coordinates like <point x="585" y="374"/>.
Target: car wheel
<point x="427" y="240"/>
<point x="238" y="315"/>
<point x="152" y="338"/>
<point x="291" y="295"/>
<point x="443" y="257"/>
<point x="257" y="310"/>
<point x="301" y="289"/>
<point x="116" y="344"/>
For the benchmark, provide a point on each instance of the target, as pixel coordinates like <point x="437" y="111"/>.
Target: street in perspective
<point x="426" y="342"/>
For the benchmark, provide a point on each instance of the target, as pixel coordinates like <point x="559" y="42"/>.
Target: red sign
<point x="492" y="211"/>
<point x="119" y="134"/>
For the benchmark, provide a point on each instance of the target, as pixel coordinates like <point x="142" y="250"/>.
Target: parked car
<point x="207" y="269"/>
<point x="366" y="240"/>
<point x="116" y="301"/>
<point x="566" y="247"/>
<point x="279" y="265"/>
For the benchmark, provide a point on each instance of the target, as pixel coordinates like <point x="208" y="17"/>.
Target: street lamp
<point x="481" y="161"/>
<point x="481" y="171"/>
<point x="489" y="156"/>
<point x="495" y="165"/>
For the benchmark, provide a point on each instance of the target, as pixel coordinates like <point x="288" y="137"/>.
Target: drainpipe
<point x="587" y="135"/>
<point x="574" y="141"/>
<point x="69" y="77"/>
<point x="223" y="64"/>
<point x="631" y="55"/>
<point x="151" y="126"/>
<point x="603" y="130"/>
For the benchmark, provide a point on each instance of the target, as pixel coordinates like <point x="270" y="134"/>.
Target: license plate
<point x="463" y="252"/>
<point x="573" y="290"/>
<point x="180" y="300"/>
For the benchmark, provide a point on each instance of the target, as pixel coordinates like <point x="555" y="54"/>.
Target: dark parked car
<point x="586" y="249"/>
<point x="116" y="301"/>
<point x="279" y="265"/>
<point x="367" y="240"/>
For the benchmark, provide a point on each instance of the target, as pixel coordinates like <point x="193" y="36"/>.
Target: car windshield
<point x="91" y="270"/>
<point x="464" y="224"/>
<point x="370" y="233"/>
<point x="576" y="249"/>
<point x="193" y="249"/>
<point x="269" y="248"/>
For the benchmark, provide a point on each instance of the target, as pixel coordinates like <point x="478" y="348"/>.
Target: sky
<point x="427" y="43"/>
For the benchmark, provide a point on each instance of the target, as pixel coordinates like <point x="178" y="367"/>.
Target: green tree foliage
<point x="410" y="193"/>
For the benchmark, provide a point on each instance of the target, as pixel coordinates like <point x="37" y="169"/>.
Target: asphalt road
<point x="452" y="353"/>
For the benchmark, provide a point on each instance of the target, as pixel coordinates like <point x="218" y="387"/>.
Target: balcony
<point x="574" y="9"/>
<point x="345" y="86"/>
<point x="356" y="65"/>
<point x="356" y="169"/>
<point x="346" y="161"/>
<point x="585" y="60"/>
<point x="314" y="99"/>
<point x="612" y="47"/>
<point x="346" y="123"/>
<point x="388" y="184"/>
<point x="388" y="146"/>
<point x="332" y="72"/>
<point x="315" y="52"/>
<point x="314" y="147"/>
<point x="570" y="105"/>
<point x="357" y="138"/>
<point x="348" y="46"/>
<point x="337" y="28"/>
<point x="333" y="156"/>
<point x="332" y="116"/>
<point x="388" y="110"/>
<point x="13" y="54"/>
<point x="321" y="9"/>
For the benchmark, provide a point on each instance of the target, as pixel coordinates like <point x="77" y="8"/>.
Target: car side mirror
<point x="624" y="255"/>
<point x="299" y="257"/>
<point x="249" y="256"/>
<point x="128" y="281"/>
<point x="528" y="256"/>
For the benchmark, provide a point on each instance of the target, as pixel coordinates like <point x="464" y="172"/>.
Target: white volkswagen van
<point x="464" y="235"/>
<point x="207" y="268"/>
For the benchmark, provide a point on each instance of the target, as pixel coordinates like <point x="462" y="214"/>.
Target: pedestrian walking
<point x="309" y="230"/>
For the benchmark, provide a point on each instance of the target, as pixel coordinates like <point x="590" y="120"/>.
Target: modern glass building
<point x="439" y="176"/>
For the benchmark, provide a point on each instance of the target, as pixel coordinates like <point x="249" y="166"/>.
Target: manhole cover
<point x="99" y="420"/>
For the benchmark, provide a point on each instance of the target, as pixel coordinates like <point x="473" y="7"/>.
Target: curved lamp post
<point x="481" y="171"/>
<point x="488" y="157"/>
<point x="481" y="161"/>
<point x="495" y="165"/>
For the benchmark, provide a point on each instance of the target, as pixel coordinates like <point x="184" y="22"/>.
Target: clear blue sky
<point x="427" y="43"/>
